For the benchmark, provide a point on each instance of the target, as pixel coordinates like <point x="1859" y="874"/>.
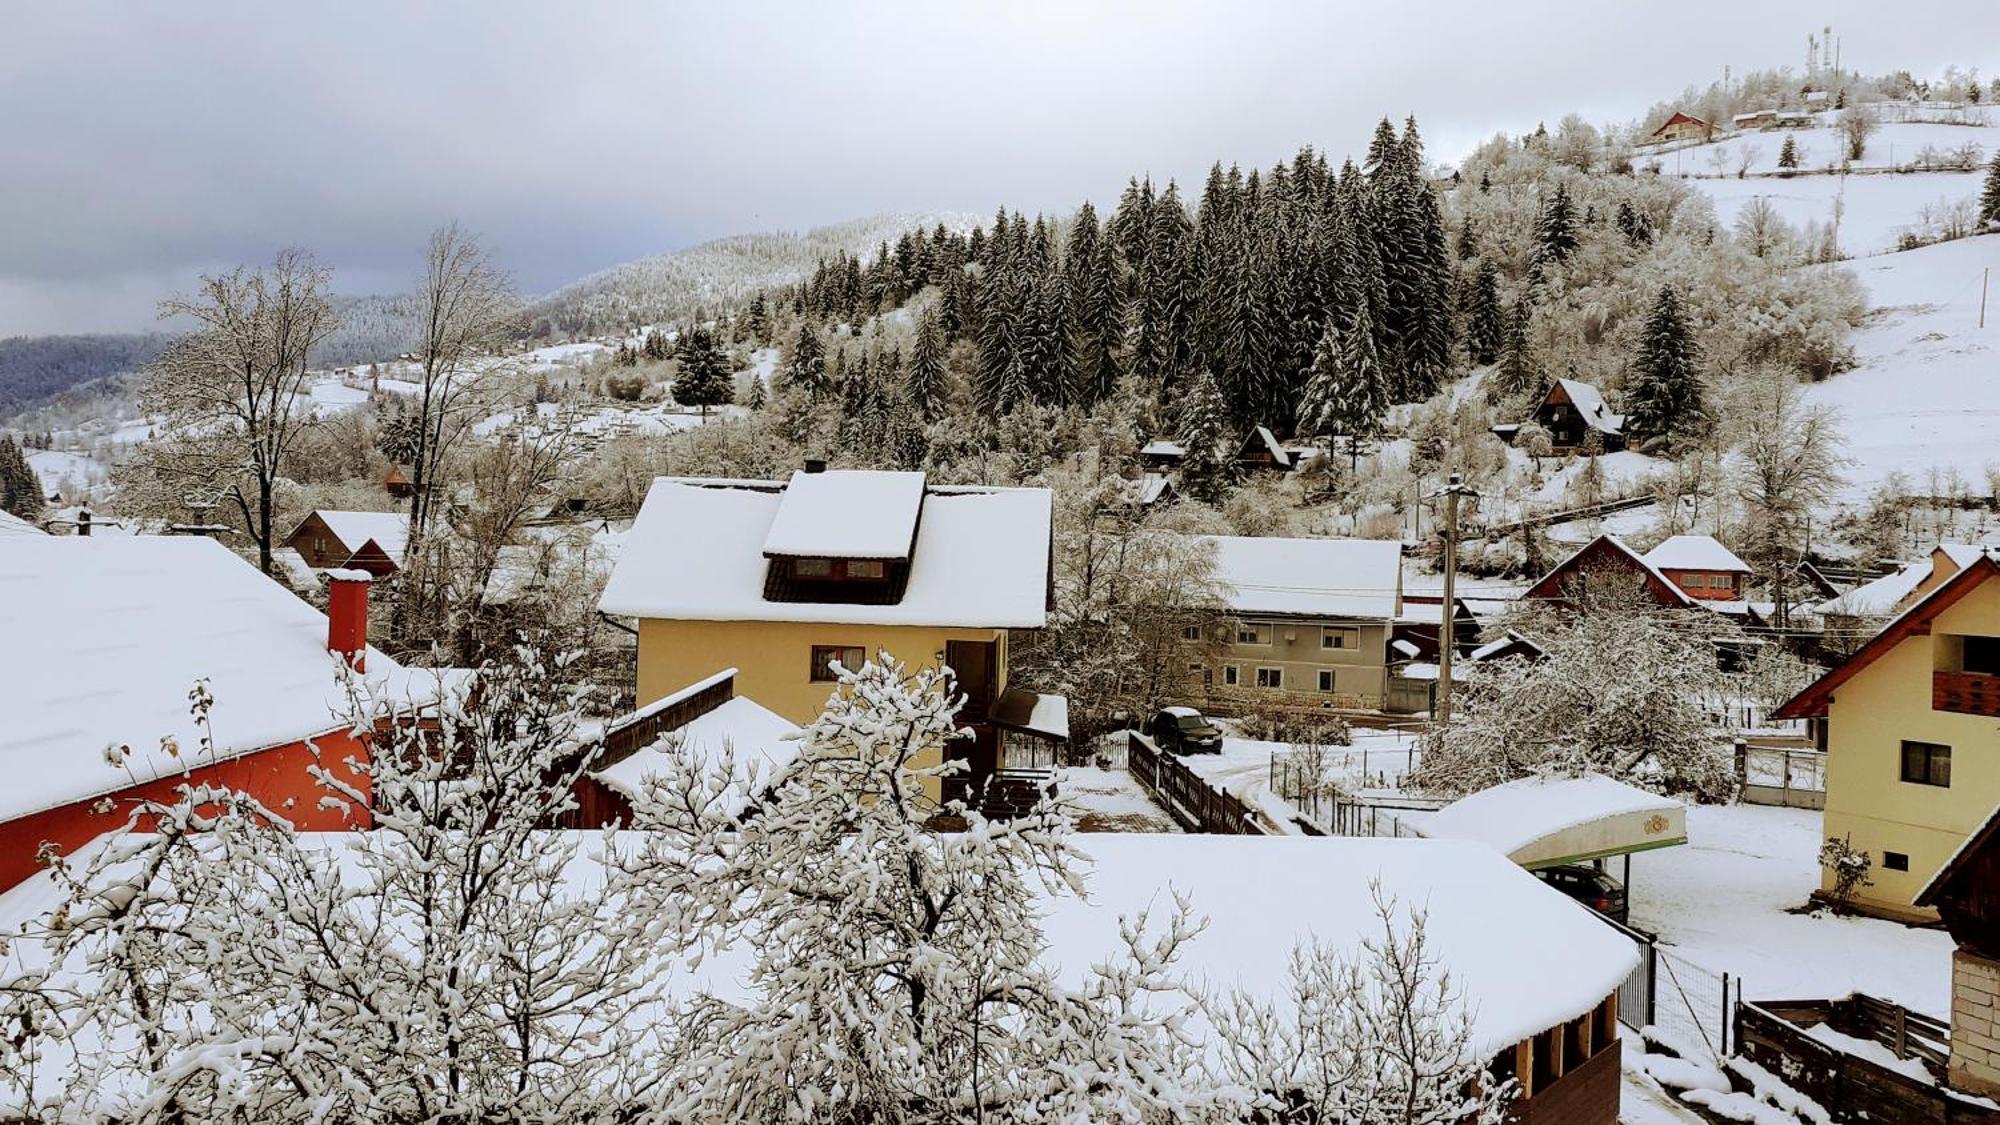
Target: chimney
<point x="815" y="464"/>
<point x="347" y="615"/>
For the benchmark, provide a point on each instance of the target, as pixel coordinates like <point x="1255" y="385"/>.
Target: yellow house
<point x="1911" y="726"/>
<point x="783" y="580"/>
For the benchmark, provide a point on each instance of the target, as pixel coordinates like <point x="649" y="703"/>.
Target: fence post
<point x="1902" y="1032"/>
<point x="1723" y="1031"/>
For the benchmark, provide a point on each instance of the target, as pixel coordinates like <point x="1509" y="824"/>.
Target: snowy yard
<point x="1724" y="901"/>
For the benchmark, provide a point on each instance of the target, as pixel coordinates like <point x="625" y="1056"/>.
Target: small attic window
<point x="864" y="568"/>
<point x="812" y="568"/>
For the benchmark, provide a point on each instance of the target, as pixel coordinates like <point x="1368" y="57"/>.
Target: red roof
<point x="1608" y="551"/>
<point x="1679" y="118"/>
<point x="1915" y="622"/>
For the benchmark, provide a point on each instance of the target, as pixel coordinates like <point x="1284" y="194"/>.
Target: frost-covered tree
<point x="925" y="378"/>
<point x="1665" y="397"/>
<point x="1205" y="466"/>
<point x="805" y="367"/>
<point x="1346" y="393"/>
<point x="234" y="390"/>
<point x="704" y="379"/>
<point x="1485" y="321"/>
<point x="1856" y="124"/>
<point x="1519" y="373"/>
<point x="1788" y="153"/>
<point x="1787" y="468"/>
<point x="1621" y="693"/>
<point x="1555" y="227"/>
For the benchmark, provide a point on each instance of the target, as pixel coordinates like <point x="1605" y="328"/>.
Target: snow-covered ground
<point x="1927" y="389"/>
<point x="1894" y="144"/>
<point x="1724" y="901"/>
<point x="1875" y="210"/>
<point x="72" y="474"/>
<point x="1109" y="800"/>
<point x="1377" y="759"/>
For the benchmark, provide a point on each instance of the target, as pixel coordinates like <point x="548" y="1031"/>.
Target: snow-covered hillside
<point x="668" y="287"/>
<point x="1875" y="207"/>
<point x="1927" y="391"/>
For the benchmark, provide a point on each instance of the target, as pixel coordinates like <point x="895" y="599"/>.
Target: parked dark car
<point x="1589" y="886"/>
<point x="1184" y="730"/>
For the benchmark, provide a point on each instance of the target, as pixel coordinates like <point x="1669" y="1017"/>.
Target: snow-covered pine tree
<point x="1168" y="294"/>
<point x="20" y="488"/>
<point x="1788" y="153"/>
<point x="1094" y="320"/>
<point x="1485" y="324"/>
<point x="1346" y="393"/>
<point x="924" y="380"/>
<point x="805" y="368"/>
<point x="704" y="379"/>
<point x="1206" y="471"/>
<point x="1555" y="228"/>
<point x="1989" y="199"/>
<point x="1665" y="395"/>
<point x="1519" y="374"/>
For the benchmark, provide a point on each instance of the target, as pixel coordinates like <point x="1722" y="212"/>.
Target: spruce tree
<point x="924" y="381"/>
<point x="1485" y="324"/>
<point x="704" y="378"/>
<point x="1555" y="229"/>
<point x="1346" y="393"/>
<point x="20" y="488"/>
<point x="1989" y="199"/>
<point x="1205" y="468"/>
<point x="1519" y="373"/>
<point x="759" y="395"/>
<point x="1665" y="397"/>
<point x="1788" y="153"/>
<point x="805" y="370"/>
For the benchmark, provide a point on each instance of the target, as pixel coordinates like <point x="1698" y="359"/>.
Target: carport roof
<point x="1542" y="822"/>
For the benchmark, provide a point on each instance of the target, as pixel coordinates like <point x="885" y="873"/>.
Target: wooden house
<point x="1161" y="454"/>
<point x="123" y="625"/>
<point x="1682" y="127"/>
<point x="1702" y="567"/>
<point x="1912" y="746"/>
<point x="782" y="580"/>
<point x="1577" y="419"/>
<point x="370" y="541"/>
<point x="397" y="485"/>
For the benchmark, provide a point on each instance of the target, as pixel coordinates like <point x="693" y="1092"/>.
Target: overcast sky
<point x="144" y="143"/>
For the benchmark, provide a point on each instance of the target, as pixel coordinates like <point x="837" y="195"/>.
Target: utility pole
<point x="1985" y="277"/>
<point x="1447" y="620"/>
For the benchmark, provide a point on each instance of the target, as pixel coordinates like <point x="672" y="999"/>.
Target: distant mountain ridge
<point x="34" y="369"/>
<point x="666" y="287"/>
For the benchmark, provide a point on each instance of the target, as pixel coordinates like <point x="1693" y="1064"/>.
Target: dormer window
<point x="812" y="568"/>
<point x="864" y="568"/>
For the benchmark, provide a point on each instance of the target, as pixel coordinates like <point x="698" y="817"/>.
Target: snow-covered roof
<point x="762" y="741"/>
<point x="1878" y="598"/>
<point x="1507" y="640"/>
<point x="1352" y="578"/>
<point x="1034" y="712"/>
<point x="1163" y="447"/>
<point x="11" y="524"/>
<point x="1695" y="552"/>
<point x="105" y="637"/>
<point x="389" y="530"/>
<point x="1263" y="436"/>
<point x="1148" y="489"/>
<point x="1523" y="957"/>
<point x="696" y="553"/>
<point x="1538" y="822"/>
<point x="1589" y="402"/>
<point x="847" y="514"/>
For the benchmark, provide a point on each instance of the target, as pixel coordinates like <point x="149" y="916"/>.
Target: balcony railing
<point x="1965" y="693"/>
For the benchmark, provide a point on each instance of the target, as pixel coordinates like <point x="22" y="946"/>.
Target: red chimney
<point x="347" y="615"/>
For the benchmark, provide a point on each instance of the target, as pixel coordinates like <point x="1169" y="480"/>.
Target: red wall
<point x="1728" y="593"/>
<point x="273" y="776"/>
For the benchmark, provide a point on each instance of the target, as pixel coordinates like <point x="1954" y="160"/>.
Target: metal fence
<point x="1686" y="1005"/>
<point x="1794" y="777"/>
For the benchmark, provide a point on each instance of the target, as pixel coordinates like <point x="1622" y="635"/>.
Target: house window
<point x="1335" y="637"/>
<point x="1326" y="679"/>
<point x="1191" y="633"/>
<point x="864" y="568"/>
<point x="1251" y="633"/>
<point x="812" y="568"/>
<point x="1895" y="861"/>
<point x="824" y="657"/>
<point x="1270" y="677"/>
<point x="1203" y="673"/>
<point x="1927" y="763"/>
<point x="1982" y="655"/>
<point x="1230" y="676"/>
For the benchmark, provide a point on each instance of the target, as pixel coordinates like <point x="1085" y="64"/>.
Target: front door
<point x="974" y="664"/>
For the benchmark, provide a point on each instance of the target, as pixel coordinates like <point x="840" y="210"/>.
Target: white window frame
<point x="1277" y="674"/>
<point x="1191" y="633"/>
<point x="1343" y="633"/>
<point x="1328" y="682"/>
<point x="1232" y="675"/>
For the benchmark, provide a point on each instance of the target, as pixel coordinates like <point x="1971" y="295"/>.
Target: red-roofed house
<point x="1682" y="127"/>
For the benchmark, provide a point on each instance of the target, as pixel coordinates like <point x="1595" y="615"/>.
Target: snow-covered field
<point x="1874" y="210"/>
<point x="1927" y="390"/>
<point x="1895" y="144"/>
<point x="72" y="474"/>
<point x="1724" y="901"/>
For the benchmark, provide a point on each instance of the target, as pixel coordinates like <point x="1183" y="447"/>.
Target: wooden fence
<point x="1191" y="800"/>
<point x="1772" y="1034"/>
